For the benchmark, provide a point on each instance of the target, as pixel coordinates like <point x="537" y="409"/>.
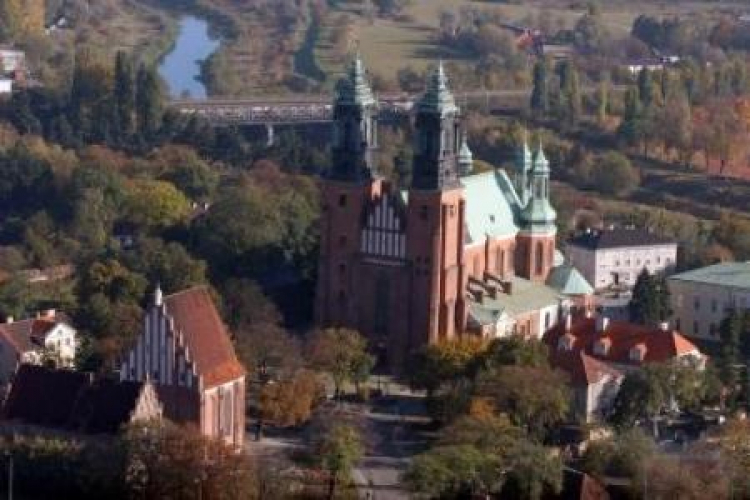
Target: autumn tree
<point x="341" y="353"/>
<point x="540" y="91"/>
<point x="614" y="174"/>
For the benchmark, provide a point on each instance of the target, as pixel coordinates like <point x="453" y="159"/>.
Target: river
<point x="181" y="67"/>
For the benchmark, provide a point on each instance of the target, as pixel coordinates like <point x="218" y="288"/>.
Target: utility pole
<point x="10" y="476"/>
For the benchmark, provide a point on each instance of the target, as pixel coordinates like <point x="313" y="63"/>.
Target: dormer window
<point x="638" y="353"/>
<point x="601" y="347"/>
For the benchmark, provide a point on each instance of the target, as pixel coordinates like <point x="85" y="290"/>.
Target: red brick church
<point x="457" y="252"/>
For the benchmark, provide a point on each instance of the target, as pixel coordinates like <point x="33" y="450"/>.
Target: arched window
<point x="539" y="257"/>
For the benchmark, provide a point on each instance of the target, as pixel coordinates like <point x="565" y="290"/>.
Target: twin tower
<point x="395" y="264"/>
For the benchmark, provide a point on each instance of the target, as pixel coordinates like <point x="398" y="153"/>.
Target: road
<point x="398" y="426"/>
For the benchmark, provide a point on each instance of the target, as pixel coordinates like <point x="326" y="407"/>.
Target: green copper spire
<point x="538" y="214"/>
<point x="465" y="157"/>
<point x="524" y="165"/>
<point x="438" y="97"/>
<point x="354" y="87"/>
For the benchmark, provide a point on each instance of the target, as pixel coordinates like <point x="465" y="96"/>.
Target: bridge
<point x="298" y="110"/>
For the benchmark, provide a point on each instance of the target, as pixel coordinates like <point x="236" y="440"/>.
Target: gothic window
<point x="382" y="303"/>
<point x="423" y="212"/>
<point x="342" y="200"/>
<point x="342" y="240"/>
<point x="539" y="258"/>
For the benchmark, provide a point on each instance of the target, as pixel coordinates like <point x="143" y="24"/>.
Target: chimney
<point x="664" y="326"/>
<point x="602" y="322"/>
<point x="158" y="296"/>
<point x="492" y="290"/>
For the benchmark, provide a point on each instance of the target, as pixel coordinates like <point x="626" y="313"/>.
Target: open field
<point x="391" y="44"/>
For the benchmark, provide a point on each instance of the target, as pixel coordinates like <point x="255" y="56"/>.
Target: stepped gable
<point x="205" y="335"/>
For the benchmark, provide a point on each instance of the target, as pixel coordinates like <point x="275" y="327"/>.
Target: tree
<point x="649" y="304"/>
<point x="155" y="205"/>
<point x="436" y="364"/>
<point x="166" y="461"/>
<point x="290" y="400"/>
<point x="734" y="443"/>
<point x="631" y="126"/>
<point x="484" y="456"/>
<point x="148" y="102"/>
<point x="540" y="91"/>
<point x="337" y="451"/>
<point x="622" y="455"/>
<point x="124" y="93"/>
<point x="534" y="407"/>
<point x="342" y="354"/>
<point x="734" y="331"/>
<point x="615" y="175"/>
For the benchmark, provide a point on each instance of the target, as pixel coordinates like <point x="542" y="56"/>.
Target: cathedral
<point x="457" y="253"/>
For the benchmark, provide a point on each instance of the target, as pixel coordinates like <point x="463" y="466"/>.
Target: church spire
<point x="438" y="136"/>
<point x="354" y="126"/>
<point x="465" y="156"/>
<point x="524" y="164"/>
<point x="538" y="214"/>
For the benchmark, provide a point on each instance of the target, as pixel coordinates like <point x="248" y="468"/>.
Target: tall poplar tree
<point x="540" y="92"/>
<point x="148" y="101"/>
<point x="124" y="93"/>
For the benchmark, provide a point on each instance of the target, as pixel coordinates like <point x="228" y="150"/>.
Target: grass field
<point x="389" y="45"/>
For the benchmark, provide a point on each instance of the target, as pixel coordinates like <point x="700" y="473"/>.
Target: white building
<point x="613" y="258"/>
<point x="11" y="60"/>
<point x="46" y="338"/>
<point x="6" y="86"/>
<point x="702" y="298"/>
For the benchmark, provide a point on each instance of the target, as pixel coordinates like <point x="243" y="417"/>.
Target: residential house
<point x="702" y="298"/>
<point x="47" y="338"/>
<point x="613" y="258"/>
<point x="69" y="401"/>
<point x="597" y="352"/>
<point x="12" y="60"/>
<point x="186" y="351"/>
<point x="594" y="383"/>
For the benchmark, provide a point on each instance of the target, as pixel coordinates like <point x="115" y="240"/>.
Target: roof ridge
<point x="187" y="290"/>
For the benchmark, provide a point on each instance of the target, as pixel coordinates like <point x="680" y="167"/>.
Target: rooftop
<point x="207" y="339"/>
<point x="525" y="296"/>
<point x="567" y="280"/>
<point x="730" y="274"/>
<point x="659" y="345"/>
<point x="491" y="206"/>
<point x="618" y="238"/>
<point x="582" y="368"/>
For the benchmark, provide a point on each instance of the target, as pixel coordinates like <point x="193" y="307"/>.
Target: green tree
<point x="614" y="175"/>
<point x="630" y="130"/>
<point x="540" y="91"/>
<point x="124" y="93"/>
<point x="534" y="407"/>
<point x="482" y="457"/>
<point x="649" y="304"/>
<point x="155" y="205"/>
<point x="622" y="455"/>
<point x="148" y="102"/>
<point x="338" y="450"/>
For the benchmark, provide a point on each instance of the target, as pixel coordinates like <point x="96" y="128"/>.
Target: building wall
<point x="600" y="397"/>
<point x="62" y="341"/>
<point x="606" y="267"/>
<point x="223" y="412"/>
<point x="494" y="255"/>
<point x="699" y="308"/>
<point x="9" y="360"/>
<point x="159" y="357"/>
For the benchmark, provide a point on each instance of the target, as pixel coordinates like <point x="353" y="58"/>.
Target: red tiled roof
<point x="661" y="345"/>
<point x="582" y="368"/>
<point x="206" y="336"/>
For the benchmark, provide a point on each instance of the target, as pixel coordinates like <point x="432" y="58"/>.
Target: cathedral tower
<point x="535" y="252"/>
<point x="435" y="217"/>
<point x="347" y="191"/>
